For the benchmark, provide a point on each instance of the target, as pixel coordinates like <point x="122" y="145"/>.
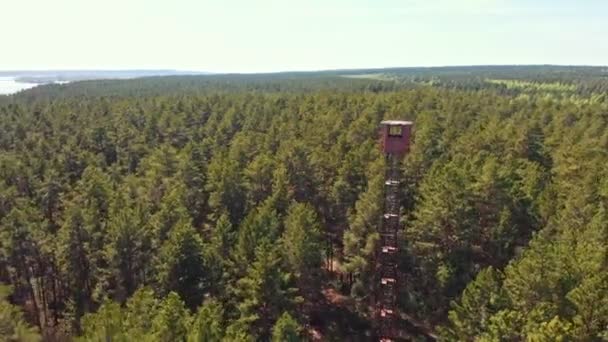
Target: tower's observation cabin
<point x="395" y="142"/>
<point x="395" y="136"/>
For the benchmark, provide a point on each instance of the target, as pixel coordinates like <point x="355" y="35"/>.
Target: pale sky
<point x="273" y="35"/>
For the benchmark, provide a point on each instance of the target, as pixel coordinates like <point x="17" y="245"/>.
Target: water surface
<point x="8" y="85"/>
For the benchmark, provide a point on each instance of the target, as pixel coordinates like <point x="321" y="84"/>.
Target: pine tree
<point x="591" y="301"/>
<point x="22" y="237"/>
<point x="126" y="252"/>
<point x="104" y="325"/>
<point x="75" y="261"/>
<point x="554" y="330"/>
<point x="286" y="329"/>
<point x="194" y="174"/>
<point x="94" y="196"/>
<point x="261" y="226"/>
<point x="207" y="325"/>
<point x="258" y="179"/>
<point x="505" y="325"/>
<point x="301" y="245"/>
<point x="265" y="292"/>
<point x="217" y="253"/>
<point x="238" y="332"/>
<point x="183" y="267"/>
<point x="12" y="325"/>
<point x="296" y="158"/>
<point x="139" y="313"/>
<point x="50" y="199"/>
<point x="172" y="320"/>
<point x="226" y="189"/>
<point x="361" y="238"/>
<point x="282" y="192"/>
<point x="470" y="316"/>
<point x="223" y="236"/>
<point x="172" y="212"/>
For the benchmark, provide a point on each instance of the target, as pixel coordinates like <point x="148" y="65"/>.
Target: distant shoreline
<point x="12" y="82"/>
<point x="11" y="85"/>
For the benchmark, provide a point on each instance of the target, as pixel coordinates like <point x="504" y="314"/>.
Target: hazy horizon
<point x="238" y="36"/>
<point x="203" y="72"/>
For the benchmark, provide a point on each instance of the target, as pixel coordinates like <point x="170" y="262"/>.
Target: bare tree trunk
<point x="43" y="299"/>
<point x="30" y="289"/>
<point x="55" y="299"/>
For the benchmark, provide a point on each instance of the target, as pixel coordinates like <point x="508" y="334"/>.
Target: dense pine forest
<point x="246" y="207"/>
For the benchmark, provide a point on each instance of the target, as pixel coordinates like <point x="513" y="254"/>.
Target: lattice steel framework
<point x="387" y="270"/>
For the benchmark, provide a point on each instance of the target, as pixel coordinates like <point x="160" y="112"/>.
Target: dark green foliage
<point x="12" y="325"/>
<point x="74" y="259"/>
<point x="300" y="245"/>
<point x="104" y="325"/>
<point x="172" y="320"/>
<point x="201" y="208"/>
<point x="182" y="267"/>
<point x="140" y="310"/>
<point x="480" y="300"/>
<point x="286" y="329"/>
<point x="126" y="250"/>
<point x="264" y="292"/>
<point x="259" y="228"/>
<point x="207" y="325"/>
<point x="361" y="238"/>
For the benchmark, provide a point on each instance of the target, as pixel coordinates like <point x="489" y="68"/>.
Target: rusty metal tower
<point x="395" y="137"/>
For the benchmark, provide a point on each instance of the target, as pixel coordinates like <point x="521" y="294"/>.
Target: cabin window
<point x="395" y="131"/>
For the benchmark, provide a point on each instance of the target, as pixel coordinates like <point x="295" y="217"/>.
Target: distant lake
<point x="8" y="85"/>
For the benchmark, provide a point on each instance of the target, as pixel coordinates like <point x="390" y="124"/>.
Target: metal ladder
<point x="387" y="286"/>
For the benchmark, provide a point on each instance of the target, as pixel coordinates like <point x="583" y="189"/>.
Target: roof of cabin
<point x="396" y="123"/>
